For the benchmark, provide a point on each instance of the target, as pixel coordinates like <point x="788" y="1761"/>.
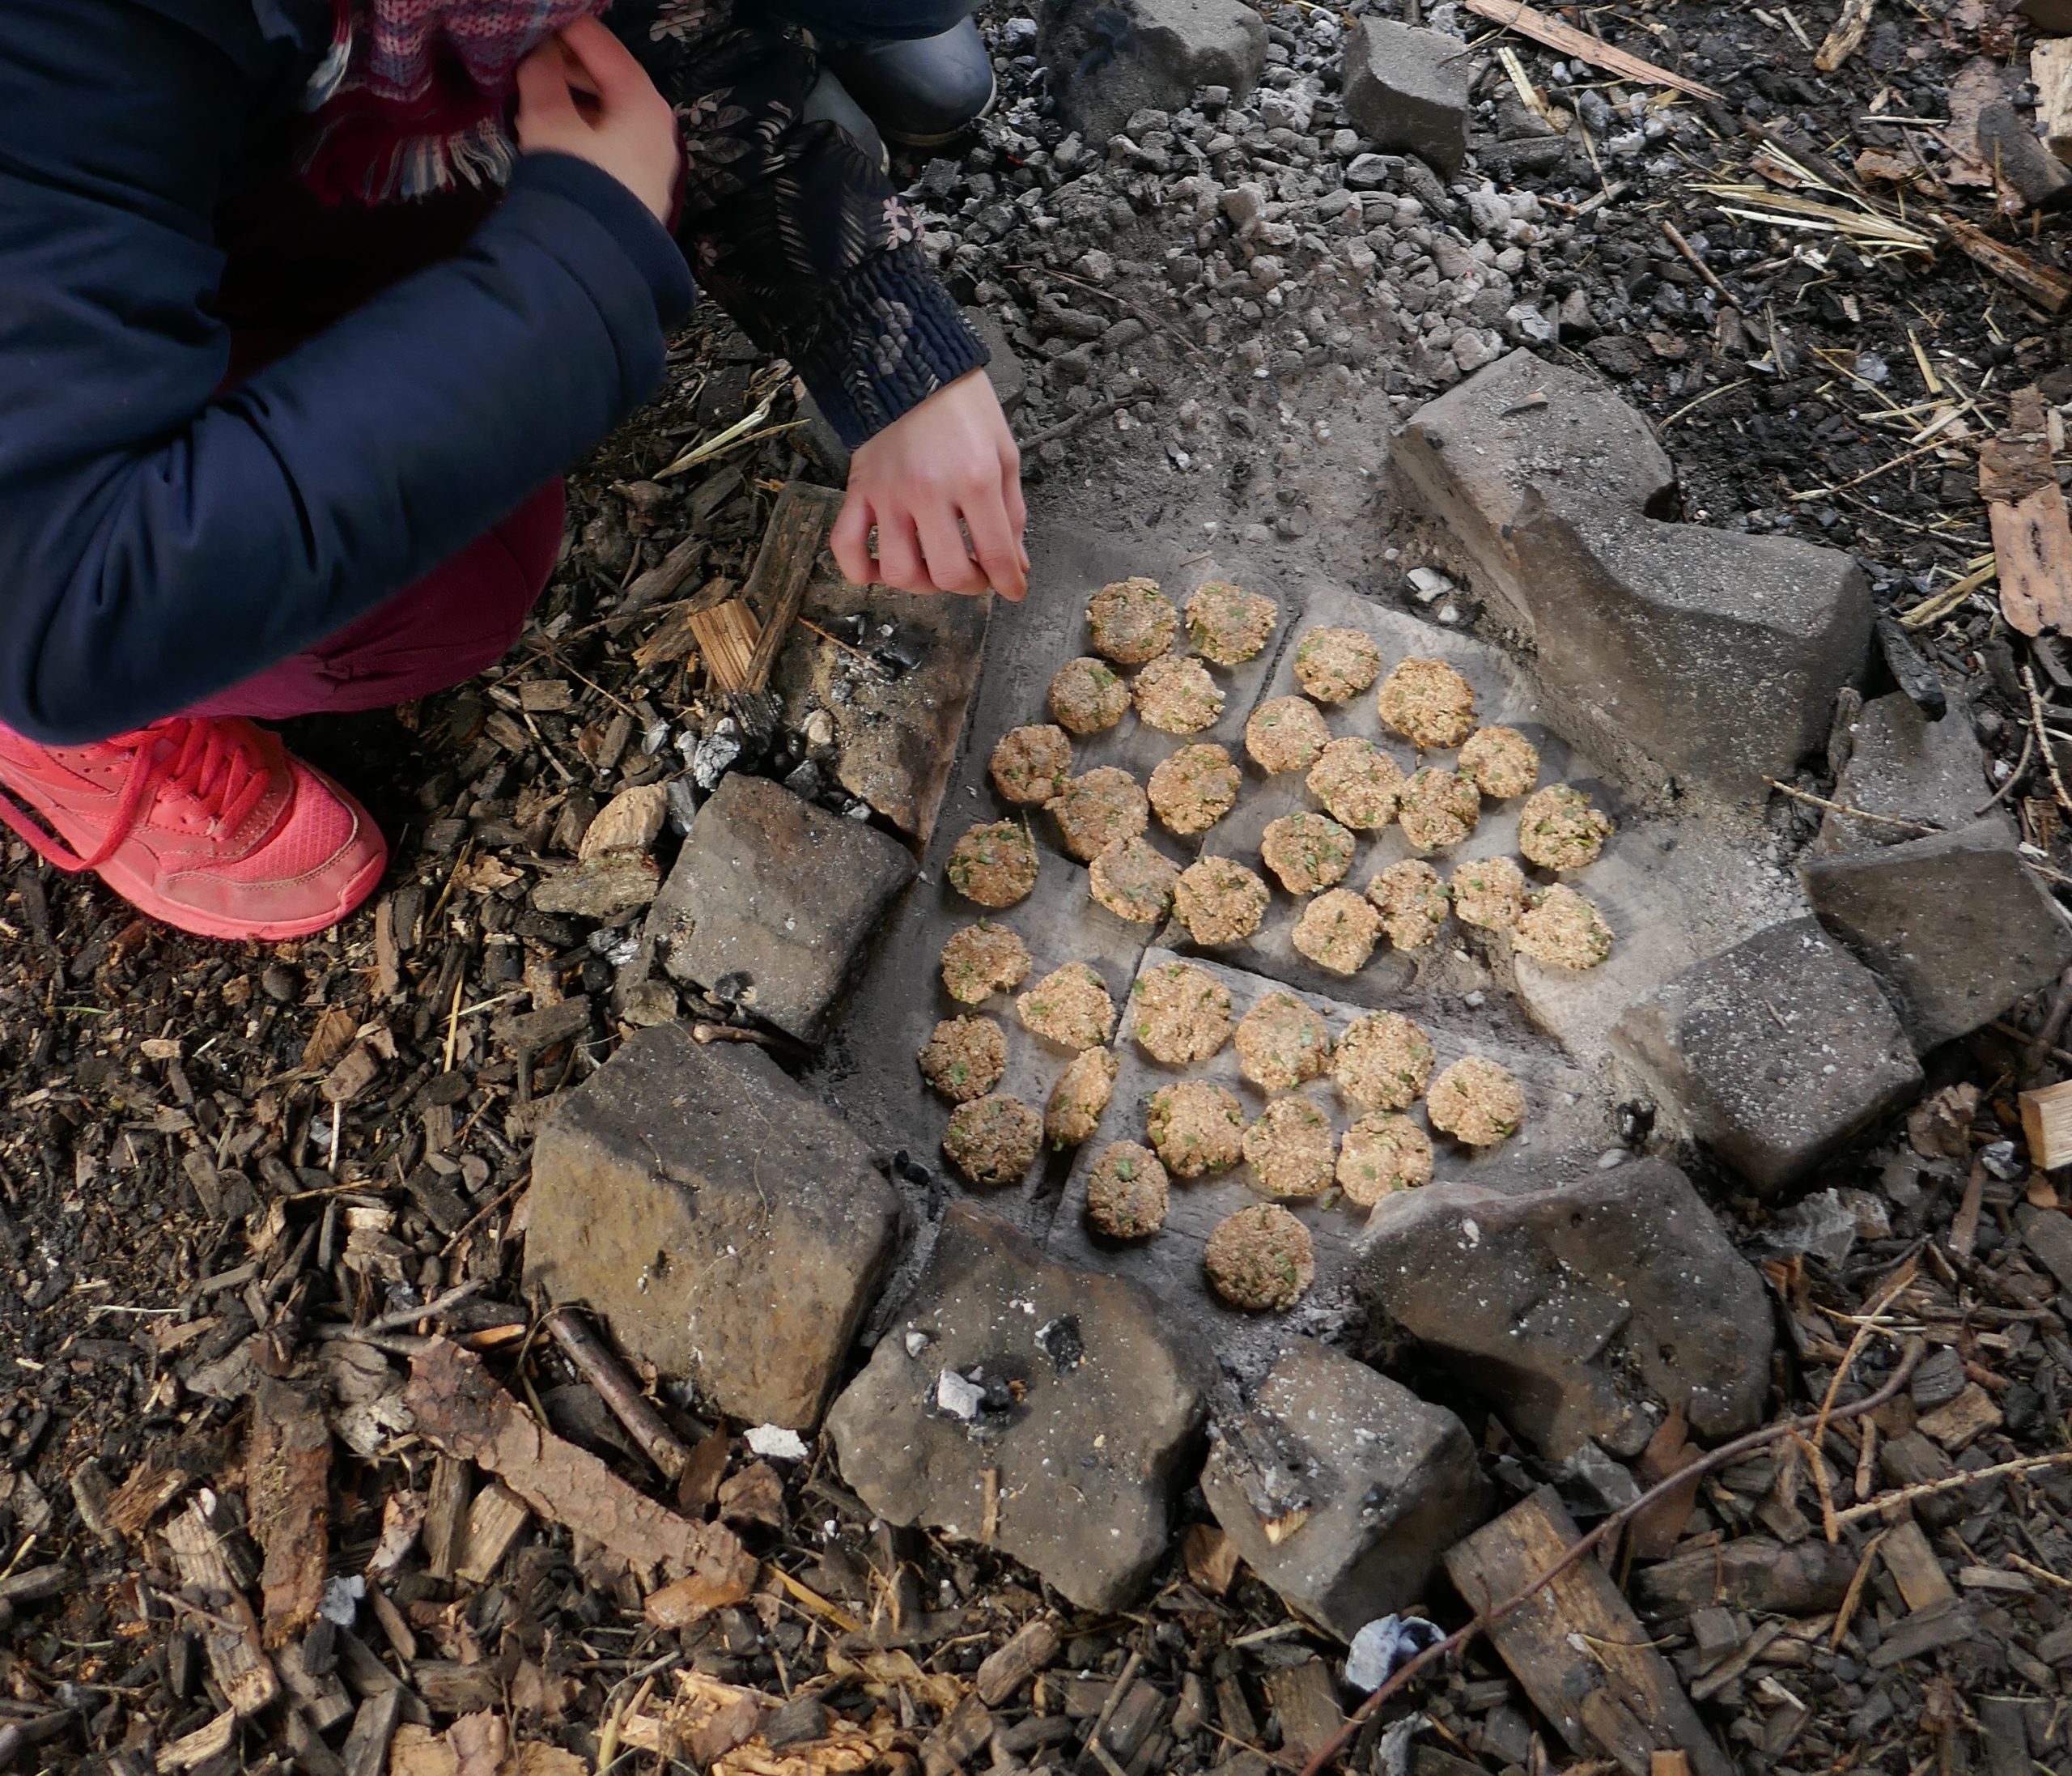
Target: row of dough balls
<point x="1132" y="623"/>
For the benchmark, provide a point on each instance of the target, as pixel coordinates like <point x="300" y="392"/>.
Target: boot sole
<point x="943" y="138"/>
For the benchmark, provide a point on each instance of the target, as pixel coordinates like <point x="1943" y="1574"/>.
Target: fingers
<point x="607" y="61"/>
<point x="1001" y="559"/>
<point x="851" y="542"/>
<point x="900" y="560"/>
<point x="1017" y="507"/>
<point x="950" y="565"/>
<point x="544" y="99"/>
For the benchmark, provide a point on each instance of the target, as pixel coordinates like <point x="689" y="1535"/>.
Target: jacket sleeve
<point x="160" y="538"/>
<point x="789" y="226"/>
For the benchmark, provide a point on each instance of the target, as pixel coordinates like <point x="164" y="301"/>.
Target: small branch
<point x="2037" y="728"/>
<point x="1930" y="1488"/>
<point x="599" y="1367"/>
<point x="1698" y="264"/>
<point x="1144" y="315"/>
<point x="1810" y="800"/>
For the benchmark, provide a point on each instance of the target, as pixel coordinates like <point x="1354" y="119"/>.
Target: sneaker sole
<point x="200" y="925"/>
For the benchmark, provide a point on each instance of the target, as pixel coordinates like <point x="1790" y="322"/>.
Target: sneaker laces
<point x="208" y="762"/>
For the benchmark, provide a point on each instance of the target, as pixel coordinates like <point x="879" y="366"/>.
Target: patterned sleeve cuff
<point x="889" y="338"/>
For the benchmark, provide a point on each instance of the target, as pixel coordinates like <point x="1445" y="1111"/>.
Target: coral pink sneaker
<point x="207" y="823"/>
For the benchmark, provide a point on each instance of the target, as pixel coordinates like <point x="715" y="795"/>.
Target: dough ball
<point x="1220" y="901"/>
<point x="1501" y="761"/>
<point x="1097" y="808"/>
<point x="1088" y="695"/>
<point x="1335" y="665"/>
<point x="1228" y="625"/>
<point x="1360" y="785"/>
<point x="1080" y="1094"/>
<point x="1197" y="1128"/>
<point x="1338" y="931"/>
<point x="992" y="1139"/>
<point x="1307" y="852"/>
<point x="1132" y="621"/>
<point x="1558" y="829"/>
<point x="1070" y="1008"/>
<point x="1382" y="1062"/>
<point x="1030" y="764"/>
<point x="995" y="865"/>
<point x="981" y="960"/>
<point x="1489" y="893"/>
<point x="1133" y="881"/>
<point x="1282" y="1043"/>
<point x="965" y="1058"/>
<point x="1426" y="701"/>
<point x="1176" y="695"/>
<point x="1382" y="1153"/>
<point x="1439" y="809"/>
<point x="1194" y="788"/>
<point x="1411" y="901"/>
<point x="1260" y="1260"/>
<point x="1286" y="733"/>
<point x="1564" y="929"/>
<point x="1476" y="1102"/>
<point x="1291" y="1148"/>
<point x="1126" y="1192"/>
<point x="1179" y="1013"/>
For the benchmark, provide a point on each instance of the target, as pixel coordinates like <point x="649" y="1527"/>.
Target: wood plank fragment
<point x="1004" y="1671"/>
<point x="2047" y="287"/>
<point x="494" y="1519"/>
<point x="366" y="1752"/>
<point x="461" y="1410"/>
<point x="776" y="585"/>
<point x="2032" y="534"/>
<point x="210" y="1740"/>
<point x="727" y="636"/>
<point x="446" y="1516"/>
<point x="1580" y="45"/>
<point x="2046" y="1122"/>
<point x="2050" y="68"/>
<point x="288" y="1490"/>
<point x="1914" y="1568"/>
<point x="1842" y="43"/>
<point x="1577" y="1647"/>
<point x="243" y="1671"/>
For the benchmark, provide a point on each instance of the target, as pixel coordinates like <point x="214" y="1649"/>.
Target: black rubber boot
<point x="829" y="102"/>
<point x="921" y="93"/>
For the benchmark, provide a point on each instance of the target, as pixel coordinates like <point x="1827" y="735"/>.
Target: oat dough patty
<point x="1080" y="1094"/>
<point x="1382" y="1153"/>
<point x="1179" y="1014"/>
<point x="1070" y="1007"/>
<point x="1220" y="901"/>
<point x="1428" y="702"/>
<point x="1132" y="621"/>
<point x="1030" y="764"/>
<point x="1229" y="625"/>
<point x="1175" y="695"/>
<point x="1564" y="929"/>
<point x="1500" y="761"/>
<point x="1476" y="1102"/>
<point x="965" y="1058"/>
<point x="1197" y="1128"/>
<point x="1291" y="1148"/>
<point x="1411" y="901"/>
<point x="992" y="1139"/>
<point x="1558" y="829"/>
<point x="1334" y="665"/>
<point x="1194" y="788"/>
<point x="1095" y="809"/>
<point x="1286" y="733"/>
<point x="995" y="865"/>
<point x="1489" y="893"/>
<point x="1088" y="695"/>
<point x="1282" y="1043"/>
<point x="1306" y="851"/>
<point x="1337" y="930"/>
<point x="1359" y="785"/>
<point x="1382" y="1062"/>
<point x="1126" y="1192"/>
<point x="1134" y="880"/>
<point x="981" y="960"/>
<point x="1439" y="809"/>
<point x="1260" y="1259"/>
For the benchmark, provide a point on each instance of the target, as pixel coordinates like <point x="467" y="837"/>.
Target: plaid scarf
<point x="412" y="97"/>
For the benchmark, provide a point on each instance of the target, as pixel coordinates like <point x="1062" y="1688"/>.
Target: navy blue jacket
<point x="160" y="540"/>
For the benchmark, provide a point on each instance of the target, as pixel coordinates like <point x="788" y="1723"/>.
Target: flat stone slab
<point x="1090" y="1420"/>
<point x="1906" y="767"/>
<point x="774" y="900"/>
<point x="1407" y="89"/>
<point x="1581" y="1311"/>
<point x="1387" y="1483"/>
<point x="1774" y="1052"/>
<point x="1147" y="53"/>
<point x="1955" y="922"/>
<point x="684" y="1192"/>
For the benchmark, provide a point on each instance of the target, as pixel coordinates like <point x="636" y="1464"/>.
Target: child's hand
<point x="947" y="469"/>
<point x="582" y="93"/>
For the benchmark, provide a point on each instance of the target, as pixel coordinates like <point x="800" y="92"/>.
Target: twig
<point x="2049" y="756"/>
<point x="703" y="1033"/>
<point x="1144" y="315"/>
<point x="583" y="1347"/>
<point x="1902" y="1281"/>
<point x="1724" y="1456"/>
<point x="1940" y="604"/>
<point x="1930" y="1488"/>
<point x="1710" y="394"/>
<point x="1697" y="265"/>
<point x="1871" y="474"/>
<point x="409" y="1316"/>
<point x="873" y="663"/>
<point x="1808" y="797"/>
<point x="1072" y="422"/>
<point x="2016" y="776"/>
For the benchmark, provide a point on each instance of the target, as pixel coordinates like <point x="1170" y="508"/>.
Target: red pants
<point x="295" y="266"/>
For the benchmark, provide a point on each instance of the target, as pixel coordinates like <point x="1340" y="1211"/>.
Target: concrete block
<point x="1908" y="768"/>
<point x="1112" y="61"/>
<point x="1406" y="88"/>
